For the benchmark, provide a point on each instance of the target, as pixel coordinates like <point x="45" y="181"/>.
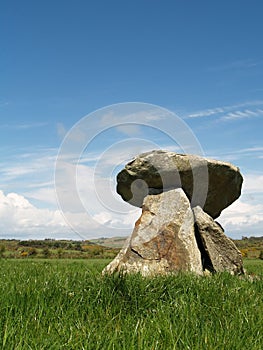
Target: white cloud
<point x="82" y="188"/>
<point x="253" y="183"/>
<point x="245" y="216"/>
<point x="95" y="209"/>
<point x="19" y="165"/>
<point x="236" y="111"/>
<point x="250" y="149"/>
<point x="43" y="194"/>
<point x="237" y="154"/>
<point x="23" y="126"/>
<point x="207" y="112"/>
<point x="103" y="213"/>
<point x="18" y="215"/>
<point x="30" y="174"/>
<point x="242" y="218"/>
<point x="20" y="219"/>
<point x="91" y="205"/>
<point x="103" y="217"/>
<point x="16" y="171"/>
<point x="247" y="113"/>
<point x="126" y="116"/>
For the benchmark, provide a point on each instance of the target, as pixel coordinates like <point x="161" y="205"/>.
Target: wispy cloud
<point x="207" y="112"/>
<point x="28" y="170"/>
<point x="232" y="112"/>
<point x="23" y="126"/>
<point x="250" y="150"/>
<point x="15" y="169"/>
<point x="128" y="116"/>
<point x="247" y="113"/>
<point x="235" y="154"/>
<point x="242" y="64"/>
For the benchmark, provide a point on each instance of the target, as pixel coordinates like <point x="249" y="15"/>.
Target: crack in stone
<point x="135" y="252"/>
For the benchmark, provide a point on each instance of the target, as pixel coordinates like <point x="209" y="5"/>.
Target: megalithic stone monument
<point x="180" y="195"/>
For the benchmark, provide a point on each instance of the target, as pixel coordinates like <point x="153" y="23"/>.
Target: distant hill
<point x="112" y="242"/>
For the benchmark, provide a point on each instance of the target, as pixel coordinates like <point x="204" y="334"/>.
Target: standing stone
<point x="163" y="239"/>
<point x="219" y="253"/>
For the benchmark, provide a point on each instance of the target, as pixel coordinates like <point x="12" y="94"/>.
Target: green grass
<point x="67" y="304"/>
<point x="254" y="266"/>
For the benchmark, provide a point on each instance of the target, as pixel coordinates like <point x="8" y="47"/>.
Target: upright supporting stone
<point x="219" y="253"/>
<point x="163" y="239"/>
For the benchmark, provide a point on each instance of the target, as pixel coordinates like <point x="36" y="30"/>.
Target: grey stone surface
<point x="163" y="239"/>
<point x="211" y="184"/>
<point x="219" y="253"/>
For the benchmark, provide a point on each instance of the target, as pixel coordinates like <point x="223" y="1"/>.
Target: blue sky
<point x="63" y="60"/>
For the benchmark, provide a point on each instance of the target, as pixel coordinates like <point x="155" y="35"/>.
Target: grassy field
<point x="67" y="304"/>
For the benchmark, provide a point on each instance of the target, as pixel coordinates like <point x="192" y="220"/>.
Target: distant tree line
<point x="50" y="248"/>
<point x="53" y="244"/>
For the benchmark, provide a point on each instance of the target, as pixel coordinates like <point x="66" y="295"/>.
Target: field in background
<point x="250" y="247"/>
<point x="55" y="249"/>
<point x="67" y="304"/>
<point x="108" y="248"/>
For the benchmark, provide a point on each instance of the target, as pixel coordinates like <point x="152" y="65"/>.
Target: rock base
<point x="171" y="237"/>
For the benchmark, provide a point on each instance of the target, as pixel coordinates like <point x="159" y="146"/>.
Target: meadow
<point x="67" y="304"/>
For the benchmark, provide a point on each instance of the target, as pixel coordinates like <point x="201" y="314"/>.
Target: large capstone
<point x="163" y="239"/>
<point x="210" y="184"/>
